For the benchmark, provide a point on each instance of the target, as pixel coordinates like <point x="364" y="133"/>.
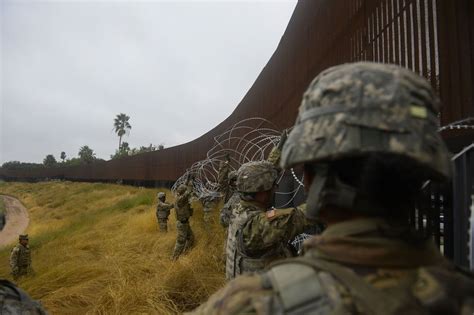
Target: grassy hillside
<point x="96" y="250"/>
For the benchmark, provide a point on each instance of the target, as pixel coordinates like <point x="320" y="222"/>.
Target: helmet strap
<point x="328" y="189"/>
<point x="314" y="202"/>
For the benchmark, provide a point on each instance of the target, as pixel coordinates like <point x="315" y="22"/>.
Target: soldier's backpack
<point x="310" y="286"/>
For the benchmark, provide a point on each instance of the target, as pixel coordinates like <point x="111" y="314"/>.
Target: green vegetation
<point x="49" y="160"/>
<point x="96" y="250"/>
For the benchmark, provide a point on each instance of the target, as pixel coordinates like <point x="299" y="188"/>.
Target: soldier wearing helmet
<point x="183" y="211"/>
<point x="366" y="135"/>
<point x="209" y="202"/>
<point x="20" y="258"/>
<point x="226" y="211"/>
<point x="258" y="235"/>
<point x="223" y="178"/>
<point x="162" y="212"/>
<point x="15" y="300"/>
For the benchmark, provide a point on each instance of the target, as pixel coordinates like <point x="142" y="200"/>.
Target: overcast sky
<point x="177" y="68"/>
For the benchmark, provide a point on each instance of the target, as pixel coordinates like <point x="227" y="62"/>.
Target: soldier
<point x="20" y="258"/>
<point x="258" y="235"/>
<point x="359" y="125"/>
<point x="209" y="203"/>
<point x="226" y="211"/>
<point x="15" y="300"/>
<point x="162" y="212"/>
<point x="183" y="211"/>
<point x="223" y="178"/>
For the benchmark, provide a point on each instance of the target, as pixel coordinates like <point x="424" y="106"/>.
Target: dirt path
<point x="17" y="220"/>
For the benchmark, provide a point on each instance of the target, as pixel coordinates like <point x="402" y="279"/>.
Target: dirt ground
<point x="17" y="220"/>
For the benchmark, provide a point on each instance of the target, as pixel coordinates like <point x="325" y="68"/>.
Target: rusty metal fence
<point x="432" y="37"/>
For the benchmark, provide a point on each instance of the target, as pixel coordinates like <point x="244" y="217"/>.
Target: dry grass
<point x="96" y="250"/>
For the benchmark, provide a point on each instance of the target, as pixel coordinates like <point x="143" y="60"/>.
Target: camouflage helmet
<point x="361" y="108"/>
<point x="23" y="237"/>
<point x="182" y="189"/>
<point x="161" y="195"/>
<point x="256" y="176"/>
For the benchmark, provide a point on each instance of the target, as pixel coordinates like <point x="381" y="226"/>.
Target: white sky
<point x="177" y="68"/>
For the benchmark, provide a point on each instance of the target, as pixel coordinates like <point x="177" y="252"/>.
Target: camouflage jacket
<point x="258" y="237"/>
<point x="14" y="301"/>
<point x="163" y="210"/>
<point x="20" y="257"/>
<point x="354" y="267"/>
<point x="223" y="176"/>
<point x="226" y="215"/>
<point x="182" y="206"/>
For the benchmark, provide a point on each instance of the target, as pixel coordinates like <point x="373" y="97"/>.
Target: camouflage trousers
<point x="184" y="239"/>
<point x="163" y="224"/>
<point x="224" y="248"/>
<point x="21" y="271"/>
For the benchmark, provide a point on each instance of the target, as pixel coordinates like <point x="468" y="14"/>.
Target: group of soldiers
<point x="14" y="300"/>
<point x="183" y="212"/>
<point x="366" y="138"/>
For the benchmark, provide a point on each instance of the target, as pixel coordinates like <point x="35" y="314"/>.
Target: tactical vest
<point x="242" y="213"/>
<point x="13" y="300"/>
<point x="163" y="210"/>
<point x="183" y="208"/>
<point x="314" y="286"/>
<point x="238" y="262"/>
<point x="24" y="256"/>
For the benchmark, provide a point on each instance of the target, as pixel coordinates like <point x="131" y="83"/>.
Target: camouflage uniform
<point x="183" y="211"/>
<point x="332" y="275"/>
<point x="15" y="301"/>
<point x="20" y="260"/>
<point x="162" y="212"/>
<point x="230" y="203"/>
<point x="257" y="237"/>
<point x="209" y="203"/>
<point x="363" y="264"/>
<point x="226" y="214"/>
<point x="223" y="179"/>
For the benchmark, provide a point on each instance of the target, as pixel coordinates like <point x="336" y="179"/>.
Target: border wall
<point x="432" y="37"/>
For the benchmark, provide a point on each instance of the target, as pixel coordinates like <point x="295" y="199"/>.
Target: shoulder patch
<point x="270" y="213"/>
<point x="277" y="213"/>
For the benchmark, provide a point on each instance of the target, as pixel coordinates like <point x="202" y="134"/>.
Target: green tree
<point x="123" y="151"/>
<point x="121" y="126"/>
<point x="63" y="156"/>
<point x="49" y="160"/>
<point x="86" y="154"/>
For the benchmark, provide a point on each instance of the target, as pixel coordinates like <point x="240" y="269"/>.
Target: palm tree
<point x="121" y="126"/>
